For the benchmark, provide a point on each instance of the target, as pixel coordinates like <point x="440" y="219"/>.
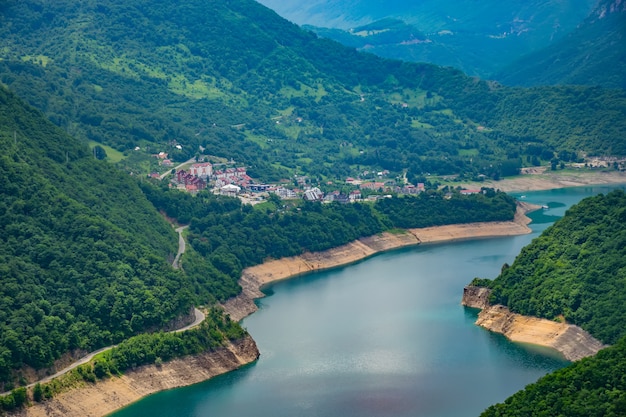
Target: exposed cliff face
<point x="104" y="397"/>
<point x="571" y="341"/>
<point x="476" y="297"/>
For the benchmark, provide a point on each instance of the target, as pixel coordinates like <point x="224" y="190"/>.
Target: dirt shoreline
<point x="109" y="395"/>
<point x="569" y="340"/>
<point x="253" y="279"/>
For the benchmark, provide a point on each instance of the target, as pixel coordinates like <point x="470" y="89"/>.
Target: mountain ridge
<point x="592" y="54"/>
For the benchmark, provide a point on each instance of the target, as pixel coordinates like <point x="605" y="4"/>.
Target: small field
<point x="113" y="155"/>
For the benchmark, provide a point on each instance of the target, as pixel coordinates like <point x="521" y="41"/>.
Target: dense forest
<point x="591" y="387"/>
<point x="83" y="254"/>
<point x="244" y="84"/>
<point x="575" y="271"/>
<point x="85" y="250"/>
<point x="227" y="236"/>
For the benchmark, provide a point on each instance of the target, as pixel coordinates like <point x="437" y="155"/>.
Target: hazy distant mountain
<point x="593" y="54"/>
<point x="477" y="37"/>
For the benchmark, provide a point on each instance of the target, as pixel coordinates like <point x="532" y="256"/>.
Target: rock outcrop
<point x="476" y="297"/>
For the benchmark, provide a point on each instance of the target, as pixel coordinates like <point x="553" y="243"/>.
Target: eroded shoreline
<point x="110" y="395"/>
<point x="571" y="341"/>
<point x="253" y="279"/>
<point x="106" y="396"/>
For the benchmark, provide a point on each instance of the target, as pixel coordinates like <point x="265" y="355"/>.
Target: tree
<point x="99" y="152"/>
<point x="38" y="392"/>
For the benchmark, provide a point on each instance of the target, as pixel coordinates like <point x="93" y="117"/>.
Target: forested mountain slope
<point x="243" y="83"/>
<point x="593" y="54"/>
<point x="591" y="387"/>
<point x="83" y="254"/>
<point x="576" y="270"/>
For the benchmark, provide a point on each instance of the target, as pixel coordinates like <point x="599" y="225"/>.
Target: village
<point x="235" y="182"/>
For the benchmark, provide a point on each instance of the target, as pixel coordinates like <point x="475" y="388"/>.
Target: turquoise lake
<point x="383" y="337"/>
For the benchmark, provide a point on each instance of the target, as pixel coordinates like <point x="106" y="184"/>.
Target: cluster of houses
<point x="190" y="181"/>
<point x="230" y="180"/>
<point x="235" y="181"/>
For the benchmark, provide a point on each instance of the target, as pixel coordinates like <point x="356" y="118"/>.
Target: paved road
<point x="181" y="246"/>
<point x="168" y="172"/>
<point x="199" y="318"/>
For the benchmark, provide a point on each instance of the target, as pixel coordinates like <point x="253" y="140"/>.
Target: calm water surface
<point x="383" y="337"/>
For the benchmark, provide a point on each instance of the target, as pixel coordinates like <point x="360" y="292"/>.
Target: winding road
<point x="181" y="246"/>
<point x="199" y="318"/>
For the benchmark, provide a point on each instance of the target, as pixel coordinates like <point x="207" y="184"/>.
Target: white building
<point x="313" y="194"/>
<point x="230" y="190"/>
<point x="204" y="169"/>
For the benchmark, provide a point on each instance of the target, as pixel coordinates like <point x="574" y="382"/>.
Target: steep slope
<point x="576" y="271"/>
<point x="593" y="54"/>
<point x="592" y="387"/>
<point x="83" y="254"/>
<point x="245" y="84"/>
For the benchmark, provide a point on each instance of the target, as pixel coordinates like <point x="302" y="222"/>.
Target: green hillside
<point x="593" y="54"/>
<point x="591" y="387"/>
<point x="576" y="270"/>
<point x="83" y="254"/>
<point x="245" y="84"/>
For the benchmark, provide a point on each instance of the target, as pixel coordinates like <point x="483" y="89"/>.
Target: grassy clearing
<point x="262" y="141"/>
<point x="113" y="155"/>
<point x="419" y="125"/>
<point x="409" y="97"/>
<point x="37" y="59"/>
<point x="468" y="152"/>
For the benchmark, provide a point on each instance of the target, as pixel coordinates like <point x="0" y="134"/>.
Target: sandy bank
<point x="571" y="341"/>
<point x="104" y="397"/>
<point x="254" y="278"/>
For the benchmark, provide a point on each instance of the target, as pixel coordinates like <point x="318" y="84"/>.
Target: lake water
<point x="383" y="337"/>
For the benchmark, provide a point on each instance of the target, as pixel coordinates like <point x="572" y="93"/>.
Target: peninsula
<point x="570" y="340"/>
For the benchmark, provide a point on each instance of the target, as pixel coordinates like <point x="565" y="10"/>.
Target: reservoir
<point x="386" y="336"/>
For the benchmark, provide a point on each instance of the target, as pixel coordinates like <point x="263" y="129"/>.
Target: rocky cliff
<point x="476" y="297"/>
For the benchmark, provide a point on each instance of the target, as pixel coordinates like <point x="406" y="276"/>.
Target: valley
<point x="277" y="152"/>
